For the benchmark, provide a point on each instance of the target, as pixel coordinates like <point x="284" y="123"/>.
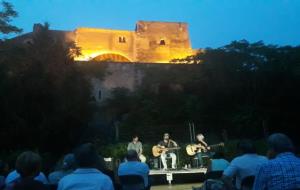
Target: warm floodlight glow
<point x="151" y="42"/>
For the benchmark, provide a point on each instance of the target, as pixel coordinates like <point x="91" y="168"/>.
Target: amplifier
<point x="109" y="163"/>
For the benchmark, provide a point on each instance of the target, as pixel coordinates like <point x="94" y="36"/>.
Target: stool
<point x="195" y="162"/>
<point x="167" y="158"/>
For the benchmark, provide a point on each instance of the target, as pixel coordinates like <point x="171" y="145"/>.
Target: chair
<point x="196" y="160"/>
<point x="247" y="182"/>
<point x="132" y="182"/>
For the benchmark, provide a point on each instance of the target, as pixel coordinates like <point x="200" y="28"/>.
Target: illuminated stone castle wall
<point x="162" y="41"/>
<point x="105" y="45"/>
<point x="152" y="42"/>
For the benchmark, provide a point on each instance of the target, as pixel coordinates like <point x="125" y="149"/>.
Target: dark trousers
<point x="200" y="157"/>
<point x="200" y="160"/>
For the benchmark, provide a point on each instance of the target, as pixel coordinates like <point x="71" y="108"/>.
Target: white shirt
<point x="134" y="168"/>
<point x="15" y="175"/>
<point x="243" y="166"/>
<point x="85" y="179"/>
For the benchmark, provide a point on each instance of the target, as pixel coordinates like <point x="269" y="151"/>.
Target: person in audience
<point x="243" y="166"/>
<point x="217" y="163"/>
<point x="214" y="171"/>
<point x="211" y="184"/>
<point x="68" y="165"/>
<point x="3" y="173"/>
<point x="12" y="176"/>
<point x="282" y="171"/>
<point x="247" y="183"/>
<point x="134" y="167"/>
<point x="28" y="166"/>
<point x="86" y="176"/>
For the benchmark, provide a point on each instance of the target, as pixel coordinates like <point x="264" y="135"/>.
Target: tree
<point x="243" y="87"/>
<point x="44" y="96"/>
<point x="6" y="14"/>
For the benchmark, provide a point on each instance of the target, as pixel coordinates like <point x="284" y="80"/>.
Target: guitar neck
<point x="215" y="145"/>
<point x="173" y="148"/>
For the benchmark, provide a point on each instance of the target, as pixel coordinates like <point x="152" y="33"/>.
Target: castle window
<point x="162" y="42"/>
<point x="122" y="39"/>
<point x="99" y="95"/>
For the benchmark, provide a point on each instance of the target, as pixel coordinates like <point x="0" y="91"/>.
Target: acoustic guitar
<point x="192" y="149"/>
<point x="157" y="151"/>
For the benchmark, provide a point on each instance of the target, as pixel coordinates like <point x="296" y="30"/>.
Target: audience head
<point x="69" y="162"/>
<point x="279" y="143"/>
<point x="86" y="156"/>
<point x="28" y="164"/>
<point x="246" y="147"/>
<point x="132" y="155"/>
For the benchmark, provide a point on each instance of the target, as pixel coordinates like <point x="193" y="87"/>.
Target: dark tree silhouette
<point x="44" y="96"/>
<point x="245" y="88"/>
<point x="6" y="14"/>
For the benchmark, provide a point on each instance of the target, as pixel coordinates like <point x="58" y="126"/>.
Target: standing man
<point x="165" y="144"/>
<point x="136" y="145"/>
<point x="202" y="148"/>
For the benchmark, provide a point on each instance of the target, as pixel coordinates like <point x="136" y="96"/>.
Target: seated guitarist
<point x="167" y="143"/>
<point x="202" y="148"/>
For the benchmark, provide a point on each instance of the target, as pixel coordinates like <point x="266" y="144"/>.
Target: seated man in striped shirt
<point x="282" y="171"/>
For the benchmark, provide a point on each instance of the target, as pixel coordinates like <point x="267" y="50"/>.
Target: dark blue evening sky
<point x="212" y="23"/>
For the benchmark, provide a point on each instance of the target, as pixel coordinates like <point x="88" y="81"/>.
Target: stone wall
<point x="150" y="42"/>
<point x="94" y="42"/>
<point x="160" y="42"/>
<point x="120" y="75"/>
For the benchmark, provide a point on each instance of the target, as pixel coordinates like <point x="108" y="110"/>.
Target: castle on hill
<point x="150" y="42"/>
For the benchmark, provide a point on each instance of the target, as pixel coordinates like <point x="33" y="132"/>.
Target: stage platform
<point x="193" y="175"/>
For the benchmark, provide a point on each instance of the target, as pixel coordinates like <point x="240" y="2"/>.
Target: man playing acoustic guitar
<point x="165" y="144"/>
<point x="202" y="147"/>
